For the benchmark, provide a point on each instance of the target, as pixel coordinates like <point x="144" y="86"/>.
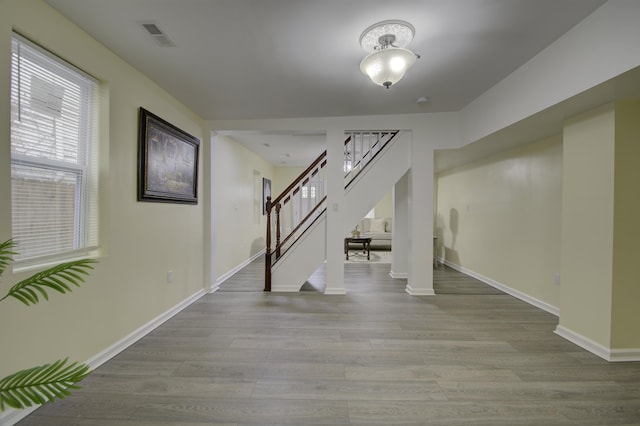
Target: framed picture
<point x="266" y="192"/>
<point x="167" y="162"/>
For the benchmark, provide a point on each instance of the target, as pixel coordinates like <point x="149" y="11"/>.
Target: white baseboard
<point x="216" y="285"/>
<point x="419" y="291"/>
<point x="104" y="356"/>
<point x="11" y="417"/>
<point x="510" y="291"/>
<point x="610" y="355"/>
<point x="399" y="275"/>
<point x="624" y="355"/>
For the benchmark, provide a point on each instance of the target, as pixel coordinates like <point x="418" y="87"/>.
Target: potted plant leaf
<point x="43" y="383"/>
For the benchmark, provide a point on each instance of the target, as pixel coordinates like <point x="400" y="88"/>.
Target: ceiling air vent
<point x="160" y="37"/>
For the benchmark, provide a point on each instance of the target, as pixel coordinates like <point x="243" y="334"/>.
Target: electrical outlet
<point x="169" y="277"/>
<point x="556" y="278"/>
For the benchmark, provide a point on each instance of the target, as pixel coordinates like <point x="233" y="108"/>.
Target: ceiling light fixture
<point x="388" y="59"/>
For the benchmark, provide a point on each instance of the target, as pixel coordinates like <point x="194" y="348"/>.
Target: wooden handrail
<point x="299" y="225"/>
<point x="300" y="177"/>
<point x="310" y="216"/>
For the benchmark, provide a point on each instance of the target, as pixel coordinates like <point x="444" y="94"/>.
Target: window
<point x="53" y="155"/>
<point x="309" y="191"/>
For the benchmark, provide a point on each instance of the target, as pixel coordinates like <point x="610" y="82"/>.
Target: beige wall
<point x="500" y="217"/>
<point x="283" y="176"/>
<point x="140" y="242"/>
<point x="600" y="228"/>
<point x="626" y="246"/>
<point x="237" y="236"/>
<point x="587" y="224"/>
<point x="384" y="208"/>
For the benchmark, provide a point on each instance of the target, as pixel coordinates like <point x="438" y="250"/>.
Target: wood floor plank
<point x="471" y="355"/>
<point x="431" y="373"/>
<point x="455" y="413"/>
<point x="351" y="390"/>
<point x="129" y="384"/>
<point x="261" y="370"/>
<point x="537" y="391"/>
<point x="618" y="373"/>
<point x="259" y="411"/>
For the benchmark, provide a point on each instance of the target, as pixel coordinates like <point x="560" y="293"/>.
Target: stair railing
<point x="360" y="148"/>
<point x="292" y="212"/>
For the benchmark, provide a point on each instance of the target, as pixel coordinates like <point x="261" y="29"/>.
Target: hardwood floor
<point x="470" y="355"/>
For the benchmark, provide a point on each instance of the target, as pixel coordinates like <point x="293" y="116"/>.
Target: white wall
<point x="139" y="242"/>
<point x="500" y="217"/>
<point x="602" y="46"/>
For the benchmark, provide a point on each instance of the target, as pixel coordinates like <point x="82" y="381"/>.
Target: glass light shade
<point x="386" y="67"/>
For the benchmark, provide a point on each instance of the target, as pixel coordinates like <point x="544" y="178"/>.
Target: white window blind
<point x="53" y="155"/>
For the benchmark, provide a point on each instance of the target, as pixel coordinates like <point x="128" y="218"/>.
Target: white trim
<point x="611" y="355"/>
<point x="399" y="275"/>
<point x="216" y="285"/>
<point x="624" y="355"/>
<point x="334" y="290"/>
<point x="502" y="287"/>
<point x="582" y="341"/>
<point x="419" y="292"/>
<point x="104" y="356"/>
<point x="11" y="416"/>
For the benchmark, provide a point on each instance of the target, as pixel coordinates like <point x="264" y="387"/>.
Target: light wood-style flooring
<point x="470" y="355"/>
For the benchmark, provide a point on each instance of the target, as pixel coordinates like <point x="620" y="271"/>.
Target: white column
<point x="420" y="280"/>
<point x="335" y="207"/>
<point x="400" y="228"/>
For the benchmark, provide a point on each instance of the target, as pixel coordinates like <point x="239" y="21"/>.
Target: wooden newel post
<point x="267" y="256"/>
<point x="278" y="231"/>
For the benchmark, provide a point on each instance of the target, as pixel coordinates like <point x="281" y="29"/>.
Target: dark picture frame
<point x="266" y="192"/>
<point x="167" y="161"/>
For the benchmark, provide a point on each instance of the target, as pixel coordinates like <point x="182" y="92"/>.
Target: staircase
<point x="296" y="220"/>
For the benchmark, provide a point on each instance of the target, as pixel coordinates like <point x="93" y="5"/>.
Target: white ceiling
<point x="284" y="148"/>
<point x="253" y="59"/>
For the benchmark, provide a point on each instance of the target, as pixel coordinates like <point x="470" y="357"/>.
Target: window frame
<point x="82" y="171"/>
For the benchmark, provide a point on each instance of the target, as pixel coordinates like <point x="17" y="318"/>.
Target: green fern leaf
<point x="6" y="254"/>
<point x="38" y="385"/>
<point x="56" y="278"/>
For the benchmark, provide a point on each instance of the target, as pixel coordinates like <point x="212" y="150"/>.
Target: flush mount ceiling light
<point x="388" y="59"/>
